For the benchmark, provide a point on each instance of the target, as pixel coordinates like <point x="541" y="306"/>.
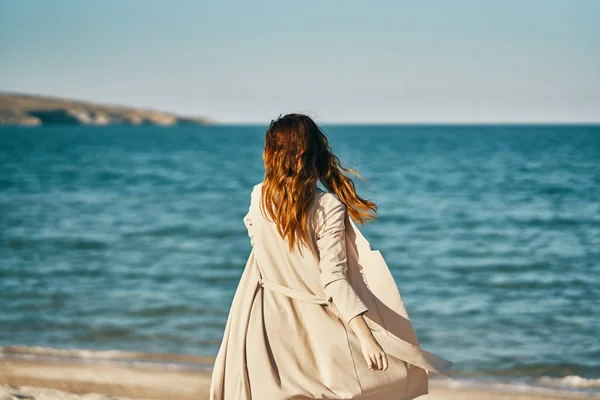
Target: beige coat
<point x="287" y="334"/>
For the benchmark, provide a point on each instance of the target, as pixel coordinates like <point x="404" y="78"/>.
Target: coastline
<point x="107" y="375"/>
<point x="21" y="109"/>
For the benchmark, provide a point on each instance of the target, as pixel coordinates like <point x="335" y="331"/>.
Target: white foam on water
<point x="140" y="359"/>
<point x="537" y="388"/>
<point x="571" y="381"/>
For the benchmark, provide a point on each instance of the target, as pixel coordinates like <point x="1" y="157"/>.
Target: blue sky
<point x="339" y="61"/>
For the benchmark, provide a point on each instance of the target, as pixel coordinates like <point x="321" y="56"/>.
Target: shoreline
<point x="48" y="379"/>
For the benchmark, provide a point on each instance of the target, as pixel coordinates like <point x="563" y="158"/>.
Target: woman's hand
<point x="374" y="355"/>
<point x="372" y="352"/>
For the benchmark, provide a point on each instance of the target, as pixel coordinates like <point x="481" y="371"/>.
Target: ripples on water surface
<point x="131" y="238"/>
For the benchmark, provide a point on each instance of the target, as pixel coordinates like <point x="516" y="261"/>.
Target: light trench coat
<point x="287" y="333"/>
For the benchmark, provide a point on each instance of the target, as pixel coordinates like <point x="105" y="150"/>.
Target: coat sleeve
<point x="332" y="252"/>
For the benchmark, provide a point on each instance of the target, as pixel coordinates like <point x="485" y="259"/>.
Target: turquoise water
<point x="131" y="238"/>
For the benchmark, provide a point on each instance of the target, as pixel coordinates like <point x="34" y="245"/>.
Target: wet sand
<point x="50" y="380"/>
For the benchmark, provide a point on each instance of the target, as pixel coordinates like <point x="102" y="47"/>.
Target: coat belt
<point x="296" y="294"/>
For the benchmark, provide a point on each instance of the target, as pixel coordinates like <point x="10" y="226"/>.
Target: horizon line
<point x="432" y="123"/>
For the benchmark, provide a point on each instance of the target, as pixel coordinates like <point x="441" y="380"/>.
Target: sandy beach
<point x="50" y="380"/>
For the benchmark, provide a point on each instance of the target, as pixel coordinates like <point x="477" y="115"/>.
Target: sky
<point x="425" y="61"/>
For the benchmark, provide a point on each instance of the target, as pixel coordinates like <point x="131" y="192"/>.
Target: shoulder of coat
<point x="329" y="201"/>
<point x="257" y="188"/>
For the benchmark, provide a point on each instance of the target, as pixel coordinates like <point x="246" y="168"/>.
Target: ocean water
<point x="131" y="239"/>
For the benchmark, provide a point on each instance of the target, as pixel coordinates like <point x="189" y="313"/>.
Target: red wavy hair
<point x="296" y="155"/>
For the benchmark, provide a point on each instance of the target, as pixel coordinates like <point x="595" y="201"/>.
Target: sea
<point x="130" y="240"/>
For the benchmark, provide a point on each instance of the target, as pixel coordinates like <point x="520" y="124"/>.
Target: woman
<point x="316" y="314"/>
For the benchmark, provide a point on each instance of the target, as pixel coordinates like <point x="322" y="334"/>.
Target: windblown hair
<point x="296" y="155"/>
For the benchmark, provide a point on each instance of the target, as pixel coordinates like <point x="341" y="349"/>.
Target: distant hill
<point x="21" y="109"/>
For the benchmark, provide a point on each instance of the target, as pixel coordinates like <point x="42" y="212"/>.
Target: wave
<point x="135" y="358"/>
<point x="59" y="242"/>
<point x="573" y="381"/>
<point x="518" y="388"/>
<point x="523" y="386"/>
